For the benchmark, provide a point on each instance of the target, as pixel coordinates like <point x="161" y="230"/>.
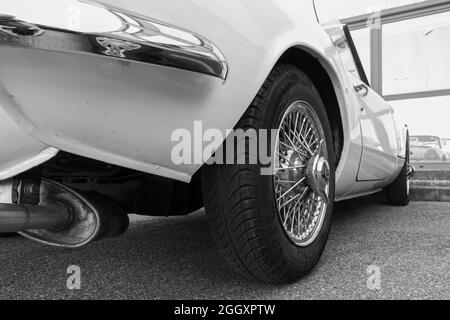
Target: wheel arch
<point x="326" y="82"/>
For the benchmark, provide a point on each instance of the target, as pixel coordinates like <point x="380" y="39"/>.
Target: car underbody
<point x="112" y="189"/>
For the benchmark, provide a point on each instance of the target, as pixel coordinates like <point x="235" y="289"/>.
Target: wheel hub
<point x="318" y="174"/>
<point x="296" y="173"/>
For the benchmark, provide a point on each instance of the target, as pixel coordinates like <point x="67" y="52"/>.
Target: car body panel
<point x="124" y="112"/>
<point x="379" y="134"/>
<point x="20" y="151"/>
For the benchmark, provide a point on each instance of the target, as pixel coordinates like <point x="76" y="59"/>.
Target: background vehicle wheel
<point x="274" y="228"/>
<point x="433" y="155"/>
<point x="398" y="191"/>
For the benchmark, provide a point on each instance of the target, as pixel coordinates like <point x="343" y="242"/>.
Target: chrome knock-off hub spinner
<point x="318" y="175"/>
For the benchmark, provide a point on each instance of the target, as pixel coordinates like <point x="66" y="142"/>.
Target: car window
<point x="342" y="39"/>
<point x="337" y="35"/>
<point x="426" y="141"/>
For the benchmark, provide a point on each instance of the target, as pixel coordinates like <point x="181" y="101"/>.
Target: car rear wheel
<point x="433" y="155"/>
<point x="275" y="227"/>
<point x="398" y="192"/>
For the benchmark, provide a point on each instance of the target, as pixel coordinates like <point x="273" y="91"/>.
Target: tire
<point x="398" y="192"/>
<point x="240" y="202"/>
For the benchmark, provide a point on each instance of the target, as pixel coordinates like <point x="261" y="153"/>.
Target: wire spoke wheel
<point x="301" y="173"/>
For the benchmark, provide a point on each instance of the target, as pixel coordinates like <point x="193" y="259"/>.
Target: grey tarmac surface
<point x="175" y="258"/>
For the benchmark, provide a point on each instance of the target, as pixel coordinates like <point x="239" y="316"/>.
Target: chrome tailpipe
<point x="64" y="217"/>
<point x="16" y="218"/>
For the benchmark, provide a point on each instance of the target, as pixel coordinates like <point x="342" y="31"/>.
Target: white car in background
<point x="428" y="148"/>
<point x="91" y="93"/>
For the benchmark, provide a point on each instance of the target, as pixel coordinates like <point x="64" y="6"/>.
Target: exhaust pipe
<point x="64" y="217"/>
<point x="16" y="218"/>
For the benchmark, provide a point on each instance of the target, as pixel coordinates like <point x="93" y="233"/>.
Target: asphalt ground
<point x="175" y="258"/>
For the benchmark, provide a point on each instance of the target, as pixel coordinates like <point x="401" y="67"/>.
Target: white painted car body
<point x="125" y="113"/>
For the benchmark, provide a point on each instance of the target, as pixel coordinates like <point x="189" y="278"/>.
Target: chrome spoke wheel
<point x="301" y="173"/>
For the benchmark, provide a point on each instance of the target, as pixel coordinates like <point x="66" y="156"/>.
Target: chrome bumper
<point x="124" y="36"/>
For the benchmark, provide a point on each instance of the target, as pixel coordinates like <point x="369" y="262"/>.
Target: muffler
<point x="64" y="217"/>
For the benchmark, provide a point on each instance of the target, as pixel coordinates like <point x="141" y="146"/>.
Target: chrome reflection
<point x="137" y="38"/>
<point x="10" y="26"/>
<point x="117" y="48"/>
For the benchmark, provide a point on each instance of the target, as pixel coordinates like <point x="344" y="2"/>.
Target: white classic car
<point x="100" y="102"/>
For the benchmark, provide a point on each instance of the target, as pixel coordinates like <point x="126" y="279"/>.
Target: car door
<point x="379" y="134"/>
<point x="378" y="129"/>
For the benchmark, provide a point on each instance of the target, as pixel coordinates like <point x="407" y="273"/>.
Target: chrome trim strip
<point x="131" y="37"/>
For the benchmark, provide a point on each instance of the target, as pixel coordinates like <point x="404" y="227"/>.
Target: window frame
<point x="355" y="54"/>
<point x="387" y="16"/>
